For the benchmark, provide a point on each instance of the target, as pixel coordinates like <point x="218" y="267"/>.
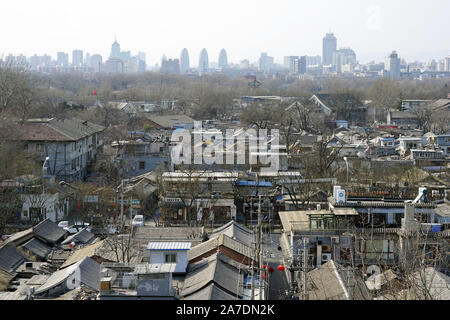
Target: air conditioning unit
<point x="340" y="196"/>
<point x="335" y="239"/>
<point x="326" y="257"/>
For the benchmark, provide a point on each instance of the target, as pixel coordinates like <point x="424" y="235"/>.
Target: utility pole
<point x="305" y="267"/>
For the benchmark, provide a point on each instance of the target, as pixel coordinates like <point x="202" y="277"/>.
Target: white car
<point x="63" y="224"/>
<point x="138" y="220"/>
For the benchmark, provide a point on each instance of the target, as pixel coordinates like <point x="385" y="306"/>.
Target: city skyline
<point x="384" y="23"/>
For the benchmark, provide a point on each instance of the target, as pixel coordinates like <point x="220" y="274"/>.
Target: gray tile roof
<point x="212" y="270"/>
<point x="49" y="231"/>
<point x="235" y="231"/>
<point x="168" y="233"/>
<point x="10" y="258"/>
<point x="211" y="292"/>
<point x="87" y="269"/>
<point x="37" y="247"/>
<point x="83" y="236"/>
<point x="169" y="121"/>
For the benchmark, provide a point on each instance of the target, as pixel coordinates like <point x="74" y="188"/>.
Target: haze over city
<point x="416" y="30"/>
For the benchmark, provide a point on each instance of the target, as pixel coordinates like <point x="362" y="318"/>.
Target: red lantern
<point x="281" y="268"/>
<point x="264" y="276"/>
<point x="271" y="269"/>
<point x="264" y="266"/>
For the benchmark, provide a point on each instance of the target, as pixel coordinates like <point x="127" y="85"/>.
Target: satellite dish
<point x="373" y="270"/>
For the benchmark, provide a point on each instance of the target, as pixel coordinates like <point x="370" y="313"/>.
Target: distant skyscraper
<point x="62" y="59"/>
<point x="265" y="62"/>
<point x="115" y="50"/>
<point x="77" y="57"/>
<point x="289" y="62"/>
<point x="87" y="59"/>
<point x="392" y="66"/>
<point x="223" y="60"/>
<point x="203" y="64"/>
<point x="170" y="66"/>
<point x="313" y="60"/>
<point x="328" y="48"/>
<point x="342" y="57"/>
<point x="299" y="65"/>
<point x="96" y="62"/>
<point x="184" y="60"/>
<point x="447" y="64"/>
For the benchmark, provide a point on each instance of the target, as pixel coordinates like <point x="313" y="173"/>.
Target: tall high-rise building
<point x="223" y="60"/>
<point x="265" y="62"/>
<point x="184" y="61"/>
<point x="289" y="62"/>
<point x="96" y="62"/>
<point x="447" y="64"/>
<point x="392" y="66"/>
<point x="299" y="65"/>
<point x="170" y="66"/>
<point x="343" y="56"/>
<point x="62" y="59"/>
<point x="115" y="50"/>
<point x="77" y="57"/>
<point x="87" y="59"/>
<point x="313" y="60"/>
<point x="203" y="64"/>
<point x="329" y="46"/>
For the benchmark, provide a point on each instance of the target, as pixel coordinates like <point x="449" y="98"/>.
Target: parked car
<point x="138" y="220"/>
<point x="63" y="224"/>
<point x="77" y="227"/>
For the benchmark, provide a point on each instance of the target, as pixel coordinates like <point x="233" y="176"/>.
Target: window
<point x="141" y="165"/>
<point x="39" y="147"/>
<point x="170" y="258"/>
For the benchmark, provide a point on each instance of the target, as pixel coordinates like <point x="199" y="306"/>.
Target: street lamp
<point x="47" y="159"/>
<point x="346" y="163"/>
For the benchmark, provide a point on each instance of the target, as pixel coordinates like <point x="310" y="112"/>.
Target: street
<point x="273" y="258"/>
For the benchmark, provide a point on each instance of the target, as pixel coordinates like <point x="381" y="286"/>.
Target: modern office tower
<point x="184" y="61"/>
<point x="342" y="57"/>
<point x="87" y="59"/>
<point x="329" y="46"/>
<point x="313" y="60"/>
<point x="62" y="59"/>
<point x="35" y="61"/>
<point x="171" y="66"/>
<point x="447" y="64"/>
<point x="289" y="62"/>
<point x="392" y="66"/>
<point x="299" y="65"/>
<point x="203" y="64"/>
<point x="77" y="57"/>
<point x="265" y="62"/>
<point x="96" y="62"/>
<point x="115" y="50"/>
<point x="223" y="60"/>
<point x="113" y="65"/>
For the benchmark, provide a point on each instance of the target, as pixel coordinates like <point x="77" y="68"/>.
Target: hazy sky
<point x="417" y="29"/>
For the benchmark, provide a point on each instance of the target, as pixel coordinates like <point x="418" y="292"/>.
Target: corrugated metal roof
<point x="10" y="258"/>
<point x="169" y="245"/>
<point x="154" y="268"/>
<point x="49" y="231"/>
<point x="37" y="247"/>
<point x="237" y="232"/>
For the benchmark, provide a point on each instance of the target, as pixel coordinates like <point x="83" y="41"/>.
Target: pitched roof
<point x="168" y="233"/>
<point x="10" y="258"/>
<point x="49" y="231"/>
<point x="221" y="240"/>
<point x="58" y="130"/>
<point x="37" y="247"/>
<point x="83" y="236"/>
<point x="212" y="270"/>
<point x="20" y="237"/>
<point x="77" y="255"/>
<point x="87" y="271"/>
<point x="169" y="245"/>
<point x="169" y="121"/>
<point x="235" y="231"/>
<point x="211" y="292"/>
<point x="296" y="220"/>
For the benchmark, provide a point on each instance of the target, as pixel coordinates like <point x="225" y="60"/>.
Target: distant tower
<point x="184" y="61"/>
<point x="77" y="58"/>
<point x="328" y="49"/>
<point x="392" y="66"/>
<point x="115" y="50"/>
<point x="203" y="64"/>
<point x="223" y="60"/>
